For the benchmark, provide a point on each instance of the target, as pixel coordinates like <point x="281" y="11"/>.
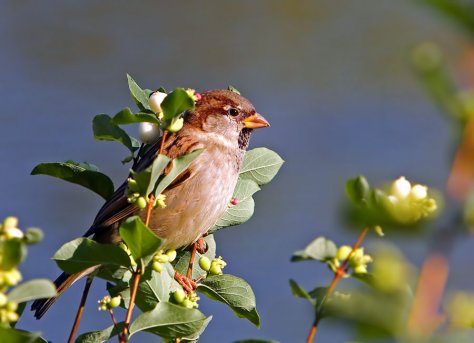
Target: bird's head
<point x="226" y="115"/>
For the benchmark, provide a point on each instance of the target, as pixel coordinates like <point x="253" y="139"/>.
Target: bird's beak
<point x="255" y="121"/>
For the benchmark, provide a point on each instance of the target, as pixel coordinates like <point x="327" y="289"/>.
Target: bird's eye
<point x="232" y="112"/>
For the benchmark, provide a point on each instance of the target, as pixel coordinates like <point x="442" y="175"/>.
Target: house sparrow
<point x="221" y="124"/>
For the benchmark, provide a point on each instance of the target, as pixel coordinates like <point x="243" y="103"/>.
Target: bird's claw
<point x="201" y="246"/>
<point x="187" y="284"/>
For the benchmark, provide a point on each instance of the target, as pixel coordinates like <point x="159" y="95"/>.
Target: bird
<point x="221" y="124"/>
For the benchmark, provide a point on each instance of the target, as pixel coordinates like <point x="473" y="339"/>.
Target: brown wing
<point x="117" y="207"/>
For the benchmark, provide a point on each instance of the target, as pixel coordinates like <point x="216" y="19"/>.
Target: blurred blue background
<point x="332" y="77"/>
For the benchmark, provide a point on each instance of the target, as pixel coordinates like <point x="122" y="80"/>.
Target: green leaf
<point x="104" y="129"/>
<point x="82" y="174"/>
<point x="358" y="189"/>
<point x="260" y="165"/>
<point x="100" y="336"/>
<point x="14" y="252"/>
<point x="233" y="89"/>
<point x="139" y="95"/>
<point x="82" y="253"/>
<point x="169" y="321"/>
<point x="320" y="249"/>
<point x="157" y="168"/>
<point x="300" y="292"/>
<point x="176" y="103"/>
<point x="195" y="336"/>
<point x="141" y="241"/>
<point x="179" y="165"/>
<point x="19" y="336"/>
<point x="126" y="116"/>
<point x="236" y="214"/>
<point x="460" y="12"/>
<point x="154" y="288"/>
<point x="234" y="292"/>
<point x="33" y="236"/>
<point x="31" y="290"/>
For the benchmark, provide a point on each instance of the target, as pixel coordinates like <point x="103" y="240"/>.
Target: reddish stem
<point x="163" y="138"/>
<point x="123" y="337"/>
<point x="338" y="274"/>
<point x="80" y="310"/>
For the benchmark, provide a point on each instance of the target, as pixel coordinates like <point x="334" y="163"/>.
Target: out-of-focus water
<point x="332" y="77"/>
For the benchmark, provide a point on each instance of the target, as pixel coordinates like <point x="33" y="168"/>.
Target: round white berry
<point x="149" y="133"/>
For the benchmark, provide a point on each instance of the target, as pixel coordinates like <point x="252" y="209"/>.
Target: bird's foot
<point x="187" y="284"/>
<point x="201" y="245"/>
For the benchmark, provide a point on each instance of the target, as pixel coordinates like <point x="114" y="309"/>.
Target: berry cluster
<point x="161" y="258"/>
<point x="188" y="300"/>
<point x="136" y="197"/>
<point x="213" y="267"/>
<point x="107" y="303"/>
<point x="357" y="260"/>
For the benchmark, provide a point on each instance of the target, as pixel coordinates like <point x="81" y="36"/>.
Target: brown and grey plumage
<point x="221" y="124"/>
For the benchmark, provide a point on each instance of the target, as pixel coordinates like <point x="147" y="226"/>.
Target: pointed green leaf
<point x="19" y="336"/>
<point x="31" y="290"/>
<point x="234" y="292"/>
<point x="82" y="253"/>
<point x="105" y="129"/>
<point x="179" y="165"/>
<point x="176" y="103"/>
<point x="157" y="168"/>
<point x="100" y="336"/>
<point x="82" y="174"/>
<point x="33" y="235"/>
<point x="169" y="321"/>
<point x="300" y="292"/>
<point x="320" y="249"/>
<point x="358" y="189"/>
<point x="139" y="95"/>
<point x="141" y="241"/>
<point x="126" y="116"/>
<point x="260" y="165"/>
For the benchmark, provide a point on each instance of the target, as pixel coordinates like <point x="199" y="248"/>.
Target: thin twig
<point x="113" y="317"/>
<point x="123" y="337"/>
<point x="338" y="274"/>
<point x="191" y="261"/>
<point x="80" y="310"/>
<point x="163" y="138"/>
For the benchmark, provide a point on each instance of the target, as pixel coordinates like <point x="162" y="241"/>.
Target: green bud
<point x="10" y="222"/>
<point x="141" y="202"/>
<point x="12" y="306"/>
<point x="3" y="299"/>
<point x="215" y="269"/>
<point x="160" y="201"/>
<point x="187" y="303"/>
<point x="343" y="252"/>
<point x="205" y="263"/>
<point x="179" y="295"/>
<point x="13" y="232"/>
<point x="176" y="125"/>
<point x="360" y="269"/>
<point x="161" y="258"/>
<point x="157" y="267"/>
<point x="114" y="302"/>
<point x="171" y="255"/>
<point x="12" y="316"/>
<point x="12" y="277"/>
<point x="132" y="185"/>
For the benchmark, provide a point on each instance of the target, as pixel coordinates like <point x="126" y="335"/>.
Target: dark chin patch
<point x="244" y="138"/>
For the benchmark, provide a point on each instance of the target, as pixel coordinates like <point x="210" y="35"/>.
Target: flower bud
<point x="171" y="255"/>
<point x="13" y="232"/>
<point x="114" y="302"/>
<point x="205" y="263"/>
<point x="155" y="101"/>
<point x="160" y="201"/>
<point x="401" y="187"/>
<point x="10" y="222"/>
<point x="12" y="277"/>
<point x="161" y="258"/>
<point x="343" y="252"/>
<point x="12" y="316"/>
<point x="360" y="269"/>
<point x="187" y="303"/>
<point x="3" y="299"/>
<point x="157" y="267"/>
<point x="148" y="133"/>
<point x="215" y="269"/>
<point x="234" y="201"/>
<point x="179" y="295"/>
<point x="141" y="202"/>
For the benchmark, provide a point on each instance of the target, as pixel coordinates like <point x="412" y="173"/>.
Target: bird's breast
<point x="194" y="205"/>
